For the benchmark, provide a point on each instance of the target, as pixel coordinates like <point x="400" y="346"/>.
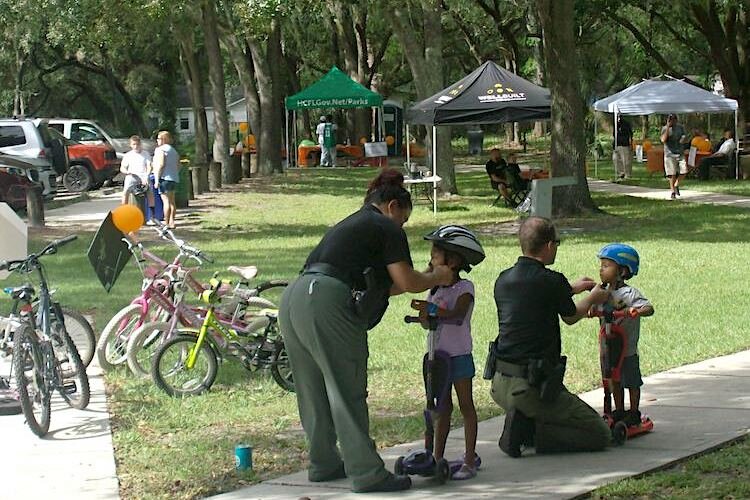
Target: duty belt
<point x="511" y="369"/>
<point x="330" y="270"/>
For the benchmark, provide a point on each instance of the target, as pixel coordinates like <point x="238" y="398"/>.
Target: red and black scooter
<point x="612" y="342"/>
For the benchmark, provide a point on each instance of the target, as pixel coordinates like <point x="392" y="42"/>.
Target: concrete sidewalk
<point x="695" y="408"/>
<point x="73" y="461"/>
<point x="687" y="195"/>
<point x="84" y="213"/>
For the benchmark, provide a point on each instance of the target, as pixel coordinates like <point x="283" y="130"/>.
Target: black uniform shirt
<point x="529" y="298"/>
<point x="367" y="238"/>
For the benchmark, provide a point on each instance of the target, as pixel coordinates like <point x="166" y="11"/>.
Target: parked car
<point x="90" y="164"/>
<point x="15" y="177"/>
<point x="31" y="141"/>
<point x="90" y="132"/>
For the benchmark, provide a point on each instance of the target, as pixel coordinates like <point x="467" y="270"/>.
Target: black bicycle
<point x="45" y="359"/>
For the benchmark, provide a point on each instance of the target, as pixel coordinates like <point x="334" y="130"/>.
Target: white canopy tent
<point x="658" y="96"/>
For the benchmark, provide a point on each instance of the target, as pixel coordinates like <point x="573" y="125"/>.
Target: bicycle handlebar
<point x="167" y="234"/>
<point x="22" y="264"/>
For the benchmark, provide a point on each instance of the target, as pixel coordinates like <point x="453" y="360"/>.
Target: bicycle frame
<point x="41" y="319"/>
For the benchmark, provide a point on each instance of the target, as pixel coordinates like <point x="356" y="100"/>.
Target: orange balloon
<point x="389" y="140"/>
<point x="127" y="218"/>
<point x="243" y="127"/>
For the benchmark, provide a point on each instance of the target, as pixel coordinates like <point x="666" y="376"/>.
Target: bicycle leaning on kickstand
<point x="45" y="359"/>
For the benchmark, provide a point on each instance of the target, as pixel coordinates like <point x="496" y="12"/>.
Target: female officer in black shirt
<point x="325" y="333"/>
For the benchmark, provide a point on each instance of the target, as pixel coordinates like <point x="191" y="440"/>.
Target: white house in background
<point x="185" y="125"/>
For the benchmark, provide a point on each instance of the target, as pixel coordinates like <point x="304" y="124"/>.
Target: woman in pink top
<point x="458" y="248"/>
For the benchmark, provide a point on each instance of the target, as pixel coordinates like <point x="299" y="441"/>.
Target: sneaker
<point x="150" y="222"/>
<point x="674" y="195"/>
<point x="465" y="472"/>
<point x="390" y="483"/>
<point x="632" y="418"/>
<point x="677" y="190"/>
<point x="618" y="415"/>
<point x="516" y="428"/>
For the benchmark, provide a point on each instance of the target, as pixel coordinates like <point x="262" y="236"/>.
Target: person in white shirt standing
<point x="721" y="157"/>
<point x="326" y="131"/>
<point x="136" y="165"/>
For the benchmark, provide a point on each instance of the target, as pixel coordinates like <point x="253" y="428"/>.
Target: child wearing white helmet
<point x="618" y="263"/>
<point x="460" y="249"/>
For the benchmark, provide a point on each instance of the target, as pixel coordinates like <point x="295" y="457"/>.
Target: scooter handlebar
<point x="598" y="312"/>
<point x="415" y="319"/>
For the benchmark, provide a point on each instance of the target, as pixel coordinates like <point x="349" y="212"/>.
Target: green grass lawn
<point x="167" y="448"/>
<point x="722" y="474"/>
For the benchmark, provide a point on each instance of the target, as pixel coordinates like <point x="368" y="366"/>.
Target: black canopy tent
<point x="490" y="94"/>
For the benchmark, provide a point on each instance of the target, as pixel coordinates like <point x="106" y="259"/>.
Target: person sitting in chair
<point x="505" y="177"/>
<point x="721" y="157"/>
<point x="496" y="168"/>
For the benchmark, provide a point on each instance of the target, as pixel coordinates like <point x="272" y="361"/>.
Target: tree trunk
<point x="425" y="57"/>
<point x="266" y="63"/>
<point x="194" y="81"/>
<point x="568" y="143"/>
<point x="239" y="52"/>
<point x="218" y="93"/>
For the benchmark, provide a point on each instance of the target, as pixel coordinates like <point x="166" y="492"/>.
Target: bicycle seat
<point x="247" y="272"/>
<point x="20" y="292"/>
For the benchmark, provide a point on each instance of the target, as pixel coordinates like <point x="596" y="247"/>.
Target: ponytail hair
<point x="388" y="186"/>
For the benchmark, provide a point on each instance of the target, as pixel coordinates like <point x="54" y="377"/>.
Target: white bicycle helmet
<point x="460" y="240"/>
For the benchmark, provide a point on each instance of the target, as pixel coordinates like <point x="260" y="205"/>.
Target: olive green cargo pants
<point x="327" y="346"/>
<point x="567" y="424"/>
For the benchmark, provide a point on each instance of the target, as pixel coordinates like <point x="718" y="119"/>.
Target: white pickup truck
<point x="90" y="132"/>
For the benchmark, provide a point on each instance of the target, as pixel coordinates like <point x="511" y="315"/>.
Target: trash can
<point x="182" y="193"/>
<point x="476" y="141"/>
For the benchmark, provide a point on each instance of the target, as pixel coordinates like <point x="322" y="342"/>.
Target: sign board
<point x="13" y="244"/>
<point x="108" y="253"/>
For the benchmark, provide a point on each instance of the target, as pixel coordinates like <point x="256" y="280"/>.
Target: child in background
<point x="458" y="248"/>
<point x="618" y="263"/>
<point x="136" y="165"/>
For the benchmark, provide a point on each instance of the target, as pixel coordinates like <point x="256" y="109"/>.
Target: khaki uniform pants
<point x="327" y="346"/>
<point x="567" y="424"/>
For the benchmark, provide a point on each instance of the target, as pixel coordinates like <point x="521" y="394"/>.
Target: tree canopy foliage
<point x="123" y="62"/>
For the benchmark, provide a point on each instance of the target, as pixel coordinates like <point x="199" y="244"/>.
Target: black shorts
<point x="630" y="375"/>
<point x="166" y="186"/>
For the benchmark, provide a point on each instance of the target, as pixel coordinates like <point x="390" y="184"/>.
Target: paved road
<point x="687" y="195"/>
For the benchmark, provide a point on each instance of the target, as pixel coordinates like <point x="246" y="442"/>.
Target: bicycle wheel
<point x="74" y="382"/>
<point x="281" y="369"/>
<point x="28" y="368"/>
<point x="142" y="347"/>
<point x="81" y="333"/>
<point x="172" y="376"/>
<point x="111" y="349"/>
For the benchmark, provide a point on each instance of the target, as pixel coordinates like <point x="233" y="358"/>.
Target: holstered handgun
<point x="371" y="303"/>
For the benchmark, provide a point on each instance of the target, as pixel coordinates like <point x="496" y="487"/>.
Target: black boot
<point x="518" y="430"/>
